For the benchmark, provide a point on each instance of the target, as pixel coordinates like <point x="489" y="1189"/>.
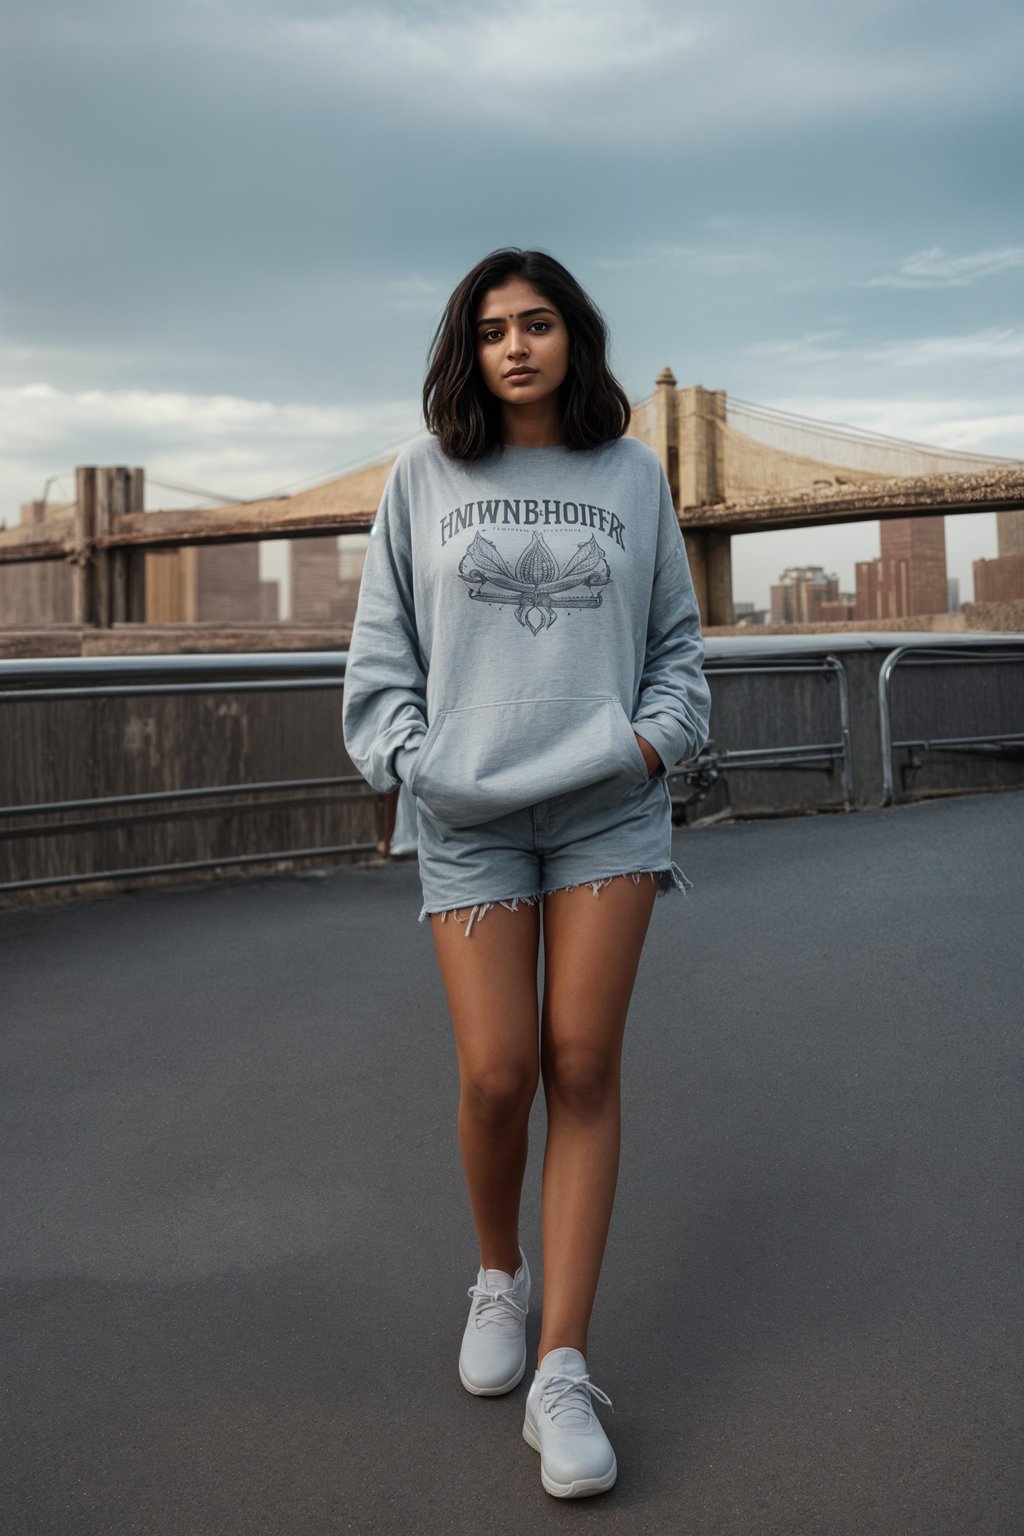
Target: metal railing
<point x="27" y="680"/>
<point x="828" y="753"/>
<point x="314" y="670"/>
<point x="136" y="676"/>
<point x="988" y="653"/>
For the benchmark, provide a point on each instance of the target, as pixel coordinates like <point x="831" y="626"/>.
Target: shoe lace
<point x="497" y="1308"/>
<point x="574" y="1394"/>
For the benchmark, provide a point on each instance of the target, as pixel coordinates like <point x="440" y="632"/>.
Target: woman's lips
<point x="518" y="378"/>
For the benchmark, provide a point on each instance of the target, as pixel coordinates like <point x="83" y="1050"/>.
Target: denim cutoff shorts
<point x="572" y="839"/>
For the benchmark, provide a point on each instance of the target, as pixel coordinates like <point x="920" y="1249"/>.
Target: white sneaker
<point x="492" y="1359"/>
<point x="576" y="1456"/>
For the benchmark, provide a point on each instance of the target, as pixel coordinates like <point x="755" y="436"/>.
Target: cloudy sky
<point x="230" y="226"/>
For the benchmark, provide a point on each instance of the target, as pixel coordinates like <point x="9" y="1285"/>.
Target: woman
<point x="527" y="659"/>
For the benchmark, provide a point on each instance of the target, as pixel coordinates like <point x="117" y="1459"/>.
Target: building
<point x="839" y="611"/>
<point x="213" y="583"/>
<point x="921" y="542"/>
<point x="800" y="592"/>
<point x="1010" y="533"/>
<point x="748" y="614"/>
<point x="909" y="577"/>
<point x="999" y="580"/>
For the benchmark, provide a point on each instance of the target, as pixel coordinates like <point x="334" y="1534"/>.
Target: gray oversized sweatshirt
<point x="518" y="619"/>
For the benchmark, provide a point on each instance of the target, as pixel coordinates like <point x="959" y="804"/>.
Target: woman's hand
<point x="651" y="757"/>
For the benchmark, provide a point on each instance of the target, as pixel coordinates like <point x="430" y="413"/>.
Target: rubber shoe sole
<point x="581" y="1486"/>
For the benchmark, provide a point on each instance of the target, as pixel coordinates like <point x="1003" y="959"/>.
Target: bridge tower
<point x="689" y="438"/>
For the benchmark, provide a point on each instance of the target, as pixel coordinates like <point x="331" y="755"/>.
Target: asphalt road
<point x="236" y="1242"/>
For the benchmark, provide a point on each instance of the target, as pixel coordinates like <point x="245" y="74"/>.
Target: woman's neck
<point x="543" y="430"/>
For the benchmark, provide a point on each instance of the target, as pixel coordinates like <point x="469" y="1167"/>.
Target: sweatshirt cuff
<point x="663" y="742"/>
<point x="403" y="759"/>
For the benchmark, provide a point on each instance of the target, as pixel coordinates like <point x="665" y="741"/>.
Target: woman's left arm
<point x="674" y="709"/>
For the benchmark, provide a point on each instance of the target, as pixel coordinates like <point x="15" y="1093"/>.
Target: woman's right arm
<point x="384" y="704"/>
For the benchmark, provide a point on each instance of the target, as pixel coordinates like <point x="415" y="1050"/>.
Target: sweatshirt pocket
<point x="485" y="761"/>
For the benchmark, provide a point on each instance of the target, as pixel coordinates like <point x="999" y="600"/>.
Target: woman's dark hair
<point x="458" y="407"/>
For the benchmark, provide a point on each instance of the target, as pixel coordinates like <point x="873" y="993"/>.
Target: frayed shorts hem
<point x="671" y="878"/>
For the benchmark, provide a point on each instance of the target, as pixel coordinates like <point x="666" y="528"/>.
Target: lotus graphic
<point x="538" y="585"/>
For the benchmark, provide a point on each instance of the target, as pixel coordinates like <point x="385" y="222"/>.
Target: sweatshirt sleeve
<point x="674" y="709"/>
<point x="384" y="706"/>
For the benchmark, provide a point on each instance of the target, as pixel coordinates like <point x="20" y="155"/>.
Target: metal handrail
<point x="30" y="671"/>
<point x="807" y="752"/>
<point x="317" y="669"/>
<point x="986" y="653"/>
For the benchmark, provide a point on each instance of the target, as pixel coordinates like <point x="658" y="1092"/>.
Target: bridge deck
<point x="238" y="1245"/>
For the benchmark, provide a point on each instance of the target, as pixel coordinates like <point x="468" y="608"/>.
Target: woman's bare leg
<point x="592" y="946"/>
<point x="490" y="979"/>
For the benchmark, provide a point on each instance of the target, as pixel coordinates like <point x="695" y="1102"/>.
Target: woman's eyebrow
<point x="540" y="310"/>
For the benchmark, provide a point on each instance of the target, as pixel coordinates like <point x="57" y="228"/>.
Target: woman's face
<point x="516" y="327"/>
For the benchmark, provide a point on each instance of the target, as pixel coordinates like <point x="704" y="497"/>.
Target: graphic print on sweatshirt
<point x="537" y="584"/>
<point x="537" y="580"/>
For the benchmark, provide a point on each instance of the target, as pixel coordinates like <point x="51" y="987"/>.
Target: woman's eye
<point x="545" y="325"/>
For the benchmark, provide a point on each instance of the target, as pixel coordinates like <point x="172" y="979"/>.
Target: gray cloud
<point x="935" y="269"/>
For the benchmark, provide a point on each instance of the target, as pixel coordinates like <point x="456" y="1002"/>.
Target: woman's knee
<point x="582" y="1079"/>
<point x="500" y="1091"/>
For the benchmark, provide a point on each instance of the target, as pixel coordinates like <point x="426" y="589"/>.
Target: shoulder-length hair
<point x="458" y="407"/>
